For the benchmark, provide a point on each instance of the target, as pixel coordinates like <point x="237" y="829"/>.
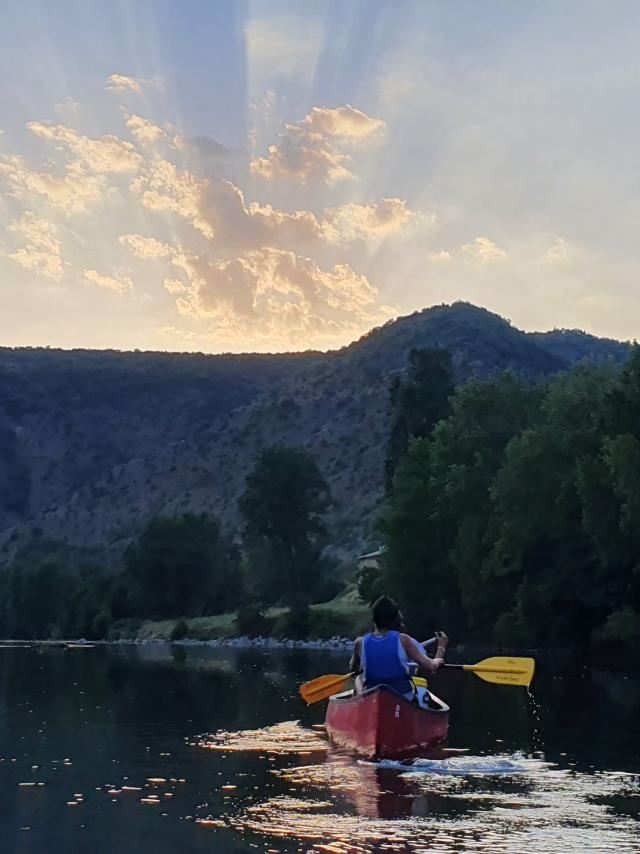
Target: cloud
<point x="310" y="150"/>
<point x="340" y="121"/>
<point x="107" y="154"/>
<point x="123" y="83"/>
<point x="484" y="250"/>
<point x="68" y="107"/>
<point x="351" y="222"/>
<point x="42" y="251"/>
<point x="274" y="293"/>
<point x="217" y="209"/>
<point x="71" y="192"/>
<point x="145" y="131"/>
<point x="440" y="256"/>
<point x="560" y="253"/>
<point x="175" y="286"/>
<point x="200" y="146"/>
<point x="246" y="266"/>
<point x="145" y="247"/>
<point x="119" y="284"/>
<point x="167" y="188"/>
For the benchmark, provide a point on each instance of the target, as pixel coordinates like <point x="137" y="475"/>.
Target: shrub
<point x="251" y="621"/>
<point x="124" y="629"/>
<point x="100" y="625"/>
<point x="293" y="624"/>
<point x="370" y="583"/>
<point x="180" y="630"/>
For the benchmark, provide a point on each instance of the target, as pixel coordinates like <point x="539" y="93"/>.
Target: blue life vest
<point x="384" y="662"/>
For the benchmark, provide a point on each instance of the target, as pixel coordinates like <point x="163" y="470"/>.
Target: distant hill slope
<point x="92" y="443"/>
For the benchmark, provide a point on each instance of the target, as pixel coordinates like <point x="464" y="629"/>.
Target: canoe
<point x="381" y="724"/>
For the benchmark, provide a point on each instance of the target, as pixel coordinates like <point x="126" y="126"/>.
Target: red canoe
<point x="381" y="724"/>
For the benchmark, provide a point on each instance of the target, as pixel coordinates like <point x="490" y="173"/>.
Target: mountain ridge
<point x="93" y="443"/>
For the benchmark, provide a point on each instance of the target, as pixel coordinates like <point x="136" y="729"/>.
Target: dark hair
<point x="386" y="613"/>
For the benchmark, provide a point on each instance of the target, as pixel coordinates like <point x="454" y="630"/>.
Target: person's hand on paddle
<point x="443" y="642"/>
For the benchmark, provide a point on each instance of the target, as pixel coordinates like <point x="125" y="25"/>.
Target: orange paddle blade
<point x="323" y="687"/>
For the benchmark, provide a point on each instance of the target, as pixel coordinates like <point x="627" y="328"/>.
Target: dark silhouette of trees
<point x="418" y="403"/>
<point x="283" y="508"/>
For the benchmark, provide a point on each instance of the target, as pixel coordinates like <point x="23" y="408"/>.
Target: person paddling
<point x="384" y="655"/>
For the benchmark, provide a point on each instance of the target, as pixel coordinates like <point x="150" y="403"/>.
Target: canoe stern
<point x="380" y="723"/>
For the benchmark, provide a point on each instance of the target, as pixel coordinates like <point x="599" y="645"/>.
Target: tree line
<point x="187" y="566"/>
<point x="511" y="516"/>
<point x="513" y="512"/>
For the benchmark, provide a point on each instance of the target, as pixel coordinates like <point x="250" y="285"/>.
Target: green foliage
<point x="180" y="630"/>
<point x="294" y="623"/>
<point x="283" y="506"/>
<point x="621" y="630"/>
<point x="183" y="565"/>
<point x="370" y="582"/>
<point x="41" y="596"/>
<point x="251" y="621"/>
<point x="437" y="521"/>
<point x="418" y="403"/>
<point x="35" y="600"/>
<point x="518" y="519"/>
<point x="100" y="625"/>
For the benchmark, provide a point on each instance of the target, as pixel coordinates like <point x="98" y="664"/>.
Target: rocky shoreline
<point x="336" y="643"/>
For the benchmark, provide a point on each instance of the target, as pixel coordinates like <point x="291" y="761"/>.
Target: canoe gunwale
<point x="349" y="697"/>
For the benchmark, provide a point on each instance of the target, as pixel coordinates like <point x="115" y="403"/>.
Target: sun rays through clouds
<point x="276" y="175"/>
<point x="244" y="273"/>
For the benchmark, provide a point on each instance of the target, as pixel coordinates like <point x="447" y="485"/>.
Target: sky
<point x="263" y="176"/>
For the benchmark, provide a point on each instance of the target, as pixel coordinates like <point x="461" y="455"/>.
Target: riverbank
<point x="337" y="643"/>
<point x="346" y="616"/>
<point x="552" y="661"/>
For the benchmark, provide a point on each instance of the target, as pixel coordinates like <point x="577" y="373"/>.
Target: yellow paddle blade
<point x="322" y="687"/>
<point x="419" y="681"/>
<point x="504" y="670"/>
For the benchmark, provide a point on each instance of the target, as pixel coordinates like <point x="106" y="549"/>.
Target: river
<point x="161" y="748"/>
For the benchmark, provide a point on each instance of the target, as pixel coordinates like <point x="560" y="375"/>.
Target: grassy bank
<point x="344" y="616"/>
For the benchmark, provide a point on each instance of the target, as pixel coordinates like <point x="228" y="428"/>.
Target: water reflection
<point x="552" y="810"/>
<point x="99" y="751"/>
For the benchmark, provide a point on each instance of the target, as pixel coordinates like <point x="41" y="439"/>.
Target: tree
<point x="543" y="559"/>
<point x="437" y="520"/>
<point x="283" y="507"/>
<point x="36" y="600"/>
<point x="418" y="403"/>
<point x="183" y="566"/>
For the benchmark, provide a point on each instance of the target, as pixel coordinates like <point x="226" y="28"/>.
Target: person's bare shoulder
<point x="411" y="644"/>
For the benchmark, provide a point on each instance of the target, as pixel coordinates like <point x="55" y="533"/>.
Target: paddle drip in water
<point x="536" y="713"/>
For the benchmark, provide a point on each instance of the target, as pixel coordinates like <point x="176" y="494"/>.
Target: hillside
<point x="92" y="443"/>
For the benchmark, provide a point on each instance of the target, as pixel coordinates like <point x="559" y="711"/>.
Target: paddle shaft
<point x="476" y="668"/>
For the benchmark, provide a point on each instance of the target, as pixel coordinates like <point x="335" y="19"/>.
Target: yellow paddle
<point x="502" y="670"/>
<point x="324" y="687"/>
<point x="498" y="670"/>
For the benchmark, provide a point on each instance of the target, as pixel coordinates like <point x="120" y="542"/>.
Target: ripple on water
<point x="284" y="738"/>
<point x="464" y="765"/>
<point x="506" y="804"/>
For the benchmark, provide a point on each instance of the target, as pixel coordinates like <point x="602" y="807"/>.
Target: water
<point x="159" y="749"/>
